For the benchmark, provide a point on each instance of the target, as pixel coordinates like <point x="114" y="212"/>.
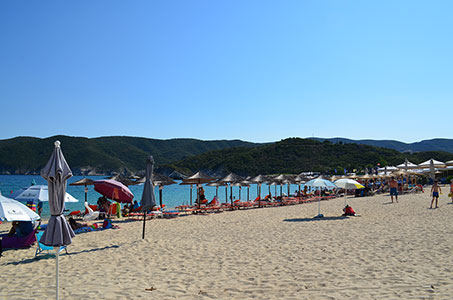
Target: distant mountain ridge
<point x="125" y="155"/>
<point x="103" y="155"/>
<point x="437" y="144"/>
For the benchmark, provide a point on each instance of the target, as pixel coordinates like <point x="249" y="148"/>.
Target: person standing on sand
<point x="435" y="190"/>
<point x="393" y="185"/>
<point x="451" y="190"/>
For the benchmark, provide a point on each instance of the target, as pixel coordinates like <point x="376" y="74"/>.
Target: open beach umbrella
<point x="230" y="179"/>
<point x="348" y="184"/>
<point x="407" y="165"/>
<point x="191" y="188"/>
<point x="247" y="184"/>
<point x="85" y="182"/>
<point x="299" y="179"/>
<point x="12" y="210"/>
<point x="114" y="190"/>
<point x="58" y="232"/>
<point x="320" y="183"/>
<point x="259" y="180"/>
<point x="216" y="184"/>
<point x="37" y="193"/>
<point x="431" y="164"/>
<point x="161" y="181"/>
<point x="198" y="179"/>
<point x="148" y="198"/>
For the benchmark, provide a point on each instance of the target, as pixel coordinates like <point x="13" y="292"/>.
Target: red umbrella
<point x="114" y="190"/>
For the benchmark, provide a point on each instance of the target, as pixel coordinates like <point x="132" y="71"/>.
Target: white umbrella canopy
<point x="348" y="184"/>
<point x="407" y="165"/>
<point x="427" y="164"/>
<point x="12" y="210"/>
<point x="320" y="183"/>
<point x="431" y="164"/>
<point x="37" y="193"/>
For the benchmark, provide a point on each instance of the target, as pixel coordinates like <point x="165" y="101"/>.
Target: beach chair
<point x="41" y="247"/>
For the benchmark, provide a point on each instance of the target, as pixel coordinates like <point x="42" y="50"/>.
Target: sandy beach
<point x="391" y="251"/>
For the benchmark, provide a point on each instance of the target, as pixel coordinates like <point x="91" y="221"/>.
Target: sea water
<point x="172" y="195"/>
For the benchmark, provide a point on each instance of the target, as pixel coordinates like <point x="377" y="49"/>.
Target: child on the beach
<point x="435" y="190"/>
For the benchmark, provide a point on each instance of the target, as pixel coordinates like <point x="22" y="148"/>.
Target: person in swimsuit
<point x="435" y="190"/>
<point x="393" y="185"/>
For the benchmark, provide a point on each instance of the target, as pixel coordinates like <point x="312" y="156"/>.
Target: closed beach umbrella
<point x="58" y="232"/>
<point x="320" y="183"/>
<point x="148" y="198"/>
<point x="12" y="210"/>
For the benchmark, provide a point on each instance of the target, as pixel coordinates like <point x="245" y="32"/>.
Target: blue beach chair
<point x="41" y="247"/>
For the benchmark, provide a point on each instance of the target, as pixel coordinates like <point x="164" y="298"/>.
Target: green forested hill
<point x="295" y="155"/>
<point x="106" y="155"/>
<point x="27" y="155"/>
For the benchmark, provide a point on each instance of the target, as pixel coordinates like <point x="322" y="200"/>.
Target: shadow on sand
<point x="316" y="219"/>
<point x="52" y="255"/>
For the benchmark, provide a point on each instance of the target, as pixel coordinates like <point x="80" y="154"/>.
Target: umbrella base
<point x="319" y="216"/>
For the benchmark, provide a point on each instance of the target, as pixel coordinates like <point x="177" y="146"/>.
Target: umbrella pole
<point x="217" y="192"/>
<point x="190" y="195"/>
<point x="240" y="192"/>
<point x="144" y="222"/>
<point x="231" y="194"/>
<point x="226" y="194"/>
<point x="319" y="203"/>
<point x="57" y="283"/>
<point x="86" y="192"/>
<point x="248" y="193"/>
<point x="160" y="196"/>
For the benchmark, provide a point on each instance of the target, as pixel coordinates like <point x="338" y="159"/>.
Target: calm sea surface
<point x="173" y="195"/>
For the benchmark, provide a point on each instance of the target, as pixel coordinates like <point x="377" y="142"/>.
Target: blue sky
<point x="251" y="70"/>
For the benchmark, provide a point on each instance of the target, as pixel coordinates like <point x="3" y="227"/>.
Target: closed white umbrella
<point x="12" y="210"/>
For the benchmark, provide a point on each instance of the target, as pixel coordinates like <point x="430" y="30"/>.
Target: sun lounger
<point x="41" y="247"/>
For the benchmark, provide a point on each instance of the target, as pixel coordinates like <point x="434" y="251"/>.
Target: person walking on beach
<point x="435" y="190"/>
<point x="393" y="185"/>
